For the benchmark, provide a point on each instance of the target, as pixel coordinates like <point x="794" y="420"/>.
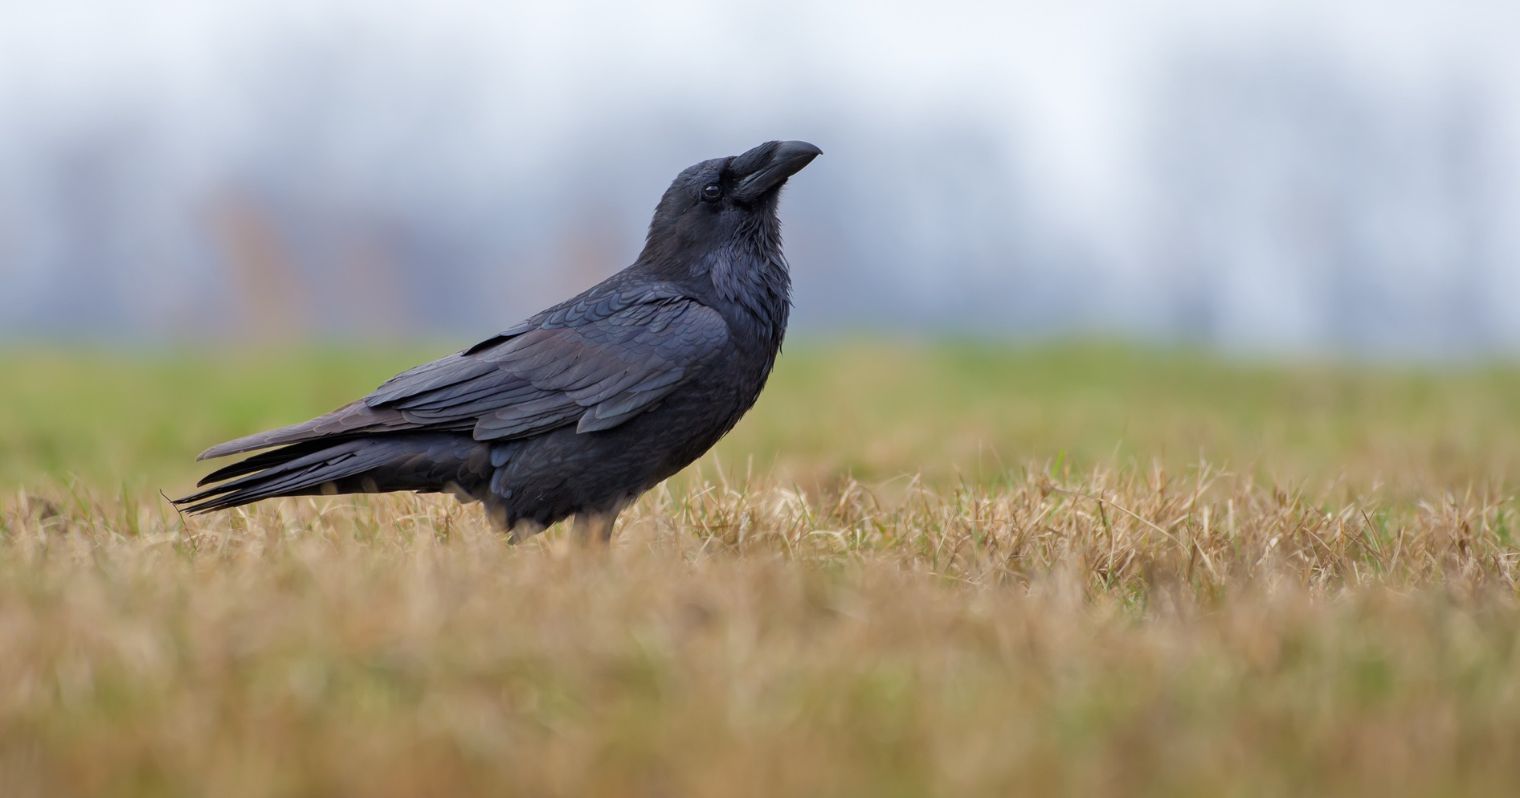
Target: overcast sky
<point x="1073" y="66"/>
<point x="1071" y="85"/>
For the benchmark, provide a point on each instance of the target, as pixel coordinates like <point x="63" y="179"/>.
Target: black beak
<point x="765" y="168"/>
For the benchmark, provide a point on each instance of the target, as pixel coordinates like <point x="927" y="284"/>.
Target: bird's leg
<point x="522" y="530"/>
<point x="516" y="531"/>
<point x="595" y="527"/>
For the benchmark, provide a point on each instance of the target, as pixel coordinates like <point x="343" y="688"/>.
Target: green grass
<point x="912" y="570"/>
<point x="872" y="411"/>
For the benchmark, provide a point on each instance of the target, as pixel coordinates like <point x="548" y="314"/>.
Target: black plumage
<point x="584" y="406"/>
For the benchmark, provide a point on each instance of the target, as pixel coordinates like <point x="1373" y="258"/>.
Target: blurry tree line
<point x="1279" y="200"/>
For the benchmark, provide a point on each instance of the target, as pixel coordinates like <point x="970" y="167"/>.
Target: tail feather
<point x="268" y="459"/>
<point x="355" y="418"/>
<point x="368" y="464"/>
<point x="310" y="470"/>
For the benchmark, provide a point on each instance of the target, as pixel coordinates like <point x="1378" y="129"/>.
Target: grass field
<point x="913" y="570"/>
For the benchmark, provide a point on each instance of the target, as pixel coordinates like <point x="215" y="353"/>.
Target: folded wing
<point x="593" y="362"/>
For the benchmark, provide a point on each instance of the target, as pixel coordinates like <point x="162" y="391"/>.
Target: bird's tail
<point x="370" y="464"/>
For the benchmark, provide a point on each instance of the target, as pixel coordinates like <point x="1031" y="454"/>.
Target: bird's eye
<point x="712" y="192"/>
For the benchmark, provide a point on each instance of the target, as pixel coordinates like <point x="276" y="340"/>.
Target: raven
<point x="583" y="407"/>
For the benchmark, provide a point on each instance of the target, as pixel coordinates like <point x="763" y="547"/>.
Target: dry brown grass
<point x="1111" y="574"/>
<point x="1113" y="633"/>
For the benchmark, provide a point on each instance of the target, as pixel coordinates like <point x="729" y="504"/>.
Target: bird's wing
<point x="594" y="362"/>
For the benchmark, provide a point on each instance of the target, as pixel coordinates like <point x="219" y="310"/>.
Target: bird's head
<point x="715" y="204"/>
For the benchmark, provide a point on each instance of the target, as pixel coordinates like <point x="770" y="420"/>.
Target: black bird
<point x="583" y="407"/>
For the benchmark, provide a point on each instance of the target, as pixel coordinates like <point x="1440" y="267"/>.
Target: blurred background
<point x="1280" y="176"/>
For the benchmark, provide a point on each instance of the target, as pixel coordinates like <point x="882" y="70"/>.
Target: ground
<point x="913" y="570"/>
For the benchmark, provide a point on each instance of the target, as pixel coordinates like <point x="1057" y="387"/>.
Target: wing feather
<point x="593" y="362"/>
